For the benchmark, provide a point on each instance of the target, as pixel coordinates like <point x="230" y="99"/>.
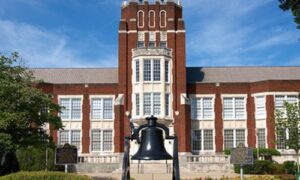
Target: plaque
<point x="66" y="155"/>
<point x="241" y="155"/>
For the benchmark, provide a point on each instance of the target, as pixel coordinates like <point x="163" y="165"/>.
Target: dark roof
<point x="241" y="74"/>
<point x="77" y="75"/>
<point x="194" y="75"/>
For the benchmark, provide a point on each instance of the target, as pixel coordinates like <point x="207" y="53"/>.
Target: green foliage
<point x="34" y="159"/>
<point x="294" y="6"/>
<point x="227" y="151"/>
<point x="290" y="167"/>
<point x="259" y="167"/>
<point x="262" y="152"/>
<point x="43" y="176"/>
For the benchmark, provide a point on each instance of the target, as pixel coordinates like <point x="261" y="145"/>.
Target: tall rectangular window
<point x="234" y="108"/>
<point x="261" y="138"/>
<point x="156" y="104"/>
<point x="202" y="108"/>
<point x="147" y="70"/>
<point x="101" y="108"/>
<point x="147" y="103"/>
<point x="167" y="71"/>
<point x="281" y="99"/>
<point x="71" y="108"/>
<point x="72" y="137"/>
<point x="101" y="140"/>
<point x="151" y="44"/>
<point x="167" y="104"/>
<point x="137" y="71"/>
<point x="156" y="70"/>
<point x="260" y="107"/>
<point x="281" y="140"/>
<point x="228" y="139"/>
<point x="234" y="137"/>
<point x="163" y="44"/>
<point x="240" y="137"/>
<point x="197" y="145"/>
<point x="140" y="44"/>
<point x="208" y="140"/>
<point x="137" y="104"/>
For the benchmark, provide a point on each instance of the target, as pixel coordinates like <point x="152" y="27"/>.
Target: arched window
<point x="151" y="19"/>
<point x="140" y="17"/>
<point x="163" y="18"/>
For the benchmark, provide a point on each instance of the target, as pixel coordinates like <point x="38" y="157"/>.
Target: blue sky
<point x="84" y="33"/>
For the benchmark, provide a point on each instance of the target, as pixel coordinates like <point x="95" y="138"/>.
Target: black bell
<point x="152" y="142"/>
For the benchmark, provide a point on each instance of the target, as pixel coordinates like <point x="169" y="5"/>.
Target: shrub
<point x="259" y="167"/>
<point x="34" y="159"/>
<point x="290" y="167"/>
<point x="262" y="152"/>
<point x="43" y="176"/>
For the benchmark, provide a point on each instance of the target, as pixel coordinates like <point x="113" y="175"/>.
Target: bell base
<point x="152" y="158"/>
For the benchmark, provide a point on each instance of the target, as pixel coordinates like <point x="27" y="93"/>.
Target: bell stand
<point x="135" y="136"/>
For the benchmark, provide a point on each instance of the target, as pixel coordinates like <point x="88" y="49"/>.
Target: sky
<point x="84" y="33"/>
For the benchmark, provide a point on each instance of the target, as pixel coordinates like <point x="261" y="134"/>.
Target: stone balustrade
<point x="208" y="159"/>
<point x="99" y="159"/>
<point x="151" y="52"/>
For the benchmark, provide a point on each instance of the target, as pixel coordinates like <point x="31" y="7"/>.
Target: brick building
<point x="210" y="109"/>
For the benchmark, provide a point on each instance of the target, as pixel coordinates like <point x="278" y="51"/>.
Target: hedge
<point x="43" y="175"/>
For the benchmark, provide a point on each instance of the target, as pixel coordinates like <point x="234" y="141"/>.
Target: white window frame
<point x="152" y="103"/>
<point x="201" y="96"/>
<point x="202" y="141"/>
<point x="285" y="100"/>
<point x="102" y="97"/>
<point x="160" y="19"/>
<point x="138" y="17"/>
<point x="234" y="136"/>
<point x="101" y="142"/>
<point x="71" y="97"/>
<point x="234" y="96"/>
<point x="137" y="72"/>
<point x="265" y="138"/>
<point x="149" y="19"/>
<point x="264" y="108"/>
<point x="151" y="70"/>
<point x="167" y="75"/>
<point x="70" y="138"/>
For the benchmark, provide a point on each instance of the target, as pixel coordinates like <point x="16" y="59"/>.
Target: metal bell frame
<point x="135" y="136"/>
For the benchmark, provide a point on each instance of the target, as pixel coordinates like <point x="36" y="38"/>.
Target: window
<point x="151" y="44"/>
<point x="101" y="140"/>
<point x="156" y="70"/>
<point x="202" y="140"/>
<point x="167" y="105"/>
<point x="234" y="108"/>
<point x="163" y="44"/>
<point x="163" y="17"/>
<point x="202" y="108"/>
<point x="137" y="104"/>
<point x="281" y="140"/>
<point x="167" y="73"/>
<point x="72" y="137"/>
<point x="152" y="104"/>
<point x="151" y="19"/>
<point x="141" y="40"/>
<point x="152" y="70"/>
<point x="137" y="71"/>
<point x="281" y="99"/>
<point x="140" y="16"/>
<point x="261" y="138"/>
<point x="260" y="107"/>
<point x="234" y="137"/>
<point x="71" y="108"/>
<point x="147" y="70"/>
<point x="101" y="108"/>
<point x="140" y="44"/>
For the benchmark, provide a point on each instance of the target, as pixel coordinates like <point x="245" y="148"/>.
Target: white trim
<point x="138" y="17"/>
<point x="59" y="97"/>
<point x="274" y="93"/>
<point x="91" y="97"/>
<point x="160" y="19"/>
<point x="149" y="18"/>
<point x="234" y="96"/>
<point x="202" y="141"/>
<point x="101" y="141"/>
<point x="70" y="137"/>
<point x="255" y="110"/>
<point x="234" y="136"/>
<point x="201" y="96"/>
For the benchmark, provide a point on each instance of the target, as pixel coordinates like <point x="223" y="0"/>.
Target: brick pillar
<point x="183" y="128"/>
<point x="118" y="129"/>
<point x="270" y="106"/>
<point x="251" y="122"/>
<point x="85" y="124"/>
<point x="218" y="123"/>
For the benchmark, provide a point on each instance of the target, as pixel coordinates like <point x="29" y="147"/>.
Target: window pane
<point x="260" y="107"/>
<point x="261" y="138"/>
<point x="196" y="140"/>
<point x="208" y="140"/>
<point x="137" y="71"/>
<point x="96" y="140"/>
<point x="107" y="108"/>
<point x="147" y="70"/>
<point x="167" y="105"/>
<point x="137" y="104"/>
<point x="292" y="99"/>
<point x="228" y="139"/>
<point x="63" y="137"/>
<point x="140" y="44"/>
<point x="163" y="44"/>
<point x="156" y="70"/>
<point x="75" y="138"/>
<point x="228" y="108"/>
<point x="194" y="108"/>
<point x="151" y="44"/>
<point x="76" y="109"/>
<point x="240" y="137"/>
<point x="156" y="104"/>
<point x="207" y="108"/>
<point x="97" y="109"/>
<point x="240" y="108"/>
<point x="167" y="79"/>
<point x="147" y="104"/>
<point x="281" y="140"/>
<point x="279" y="101"/>
<point x="65" y="111"/>
<point x="107" y="140"/>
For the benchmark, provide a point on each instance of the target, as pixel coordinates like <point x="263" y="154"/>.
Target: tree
<point x="24" y="109"/>
<point x="294" y="6"/>
<point x="288" y="121"/>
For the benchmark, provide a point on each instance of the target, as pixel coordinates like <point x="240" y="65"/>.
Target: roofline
<point x="75" y="68"/>
<point x="241" y="66"/>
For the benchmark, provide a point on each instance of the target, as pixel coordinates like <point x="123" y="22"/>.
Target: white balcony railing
<point x="219" y="159"/>
<point x="99" y="159"/>
<point x="151" y="52"/>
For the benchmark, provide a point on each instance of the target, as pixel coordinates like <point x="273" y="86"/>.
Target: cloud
<point x="42" y="48"/>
